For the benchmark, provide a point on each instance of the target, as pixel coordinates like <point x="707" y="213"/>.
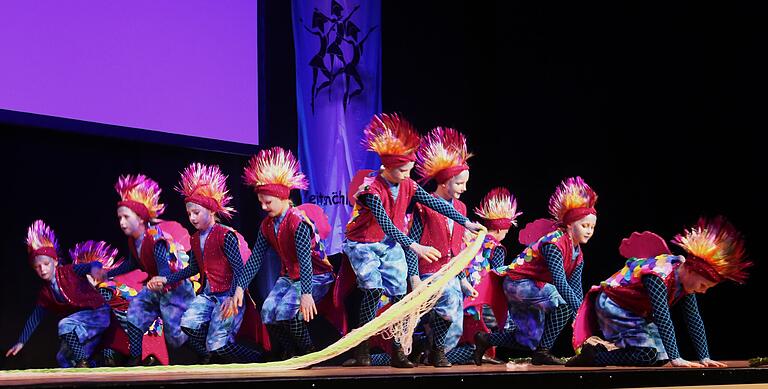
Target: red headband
<point x="207" y="202"/>
<point x="391" y="160"/>
<point x="448" y="173"/>
<point x="577" y="214"/>
<point x="497" y="224"/>
<point x="702" y="267"/>
<point x="137" y="207"/>
<point x="47" y="251"/>
<point x="277" y="190"/>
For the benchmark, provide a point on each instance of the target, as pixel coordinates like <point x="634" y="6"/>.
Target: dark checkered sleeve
<point x="657" y="293"/>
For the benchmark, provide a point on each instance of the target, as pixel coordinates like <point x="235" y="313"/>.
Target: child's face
<point x="44" y="267"/>
<point x="582" y="229"/>
<point x="273" y="206"/>
<point x="200" y="217"/>
<point x="129" y="221"/>
<point x="396" y="175"/>
<point x="499" y="234"/>
<point x="693" y="282"/>
<point x="456" y="185"/>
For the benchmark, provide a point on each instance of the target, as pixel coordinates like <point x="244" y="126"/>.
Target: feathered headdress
<point x="93" y="251"/>
<point x="498" y="210"/>
<point x="572" y="200"/>
<point x="41" y="241"/>
<point x="393" y="138"/>
<point x="274" y="172"/>
<point x="140" y="194"/>
<point x="206" y="186"/>
<point x="442" y="155"/>
<point x="716" y="250"/>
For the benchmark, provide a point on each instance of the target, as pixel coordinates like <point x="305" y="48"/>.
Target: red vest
<point x="284" y="243"/>
<point x="437" y="235"/>
<point x="77" y="291"/>
<point x="146" y="258"/>
<point x="363" y="226"/>
<point x="213" y="263"/>
<point x="630" y="293"/>
<point x="530" y="264"/>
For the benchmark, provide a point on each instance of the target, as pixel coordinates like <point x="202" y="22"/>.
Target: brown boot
<point x="362" y="356"/>
<point x="83" y="363"/>
<point x="437" y="357"/>
<point x="399" y="359"/>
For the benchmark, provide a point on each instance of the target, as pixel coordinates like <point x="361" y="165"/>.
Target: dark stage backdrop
<point x="655" y="106"/>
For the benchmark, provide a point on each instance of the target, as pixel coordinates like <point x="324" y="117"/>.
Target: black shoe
<point x="362" y="356"/>
<point x="481" y="346"/>
<point x="150" y="361"/>
<point x="83" y="363"/>
<point x="542" y="356"/>
<point x="587" y="356"/>
<point x="437" y="358"/>
<point x="399" y="359"/>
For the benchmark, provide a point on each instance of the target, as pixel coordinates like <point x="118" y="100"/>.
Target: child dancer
<point x="152" y="249"/>
<point x="306" y="274"/>
<point x="543" y="284"/>
<point x="67" y="294"/>
<point x="374" y="238"/>
<point x="216" y="254"/>
<point x="442" y="157"/>
<point x="632" y="308"/>
<point x="498" y="213"/>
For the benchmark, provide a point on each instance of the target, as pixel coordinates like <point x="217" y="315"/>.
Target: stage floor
<point x="737" y="372"/>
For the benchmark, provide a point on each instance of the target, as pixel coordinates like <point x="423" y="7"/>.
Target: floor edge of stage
<point x="738" y="373"/>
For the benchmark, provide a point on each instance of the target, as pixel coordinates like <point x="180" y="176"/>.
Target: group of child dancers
<point x="174" y="289"/>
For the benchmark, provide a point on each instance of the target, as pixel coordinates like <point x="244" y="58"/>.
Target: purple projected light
<point x="184" y="67"/>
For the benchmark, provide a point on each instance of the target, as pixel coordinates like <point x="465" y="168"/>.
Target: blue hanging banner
<point x="338" y="90"/>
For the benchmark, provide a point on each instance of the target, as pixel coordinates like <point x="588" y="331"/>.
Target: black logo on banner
<point x="342" y="36"/>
